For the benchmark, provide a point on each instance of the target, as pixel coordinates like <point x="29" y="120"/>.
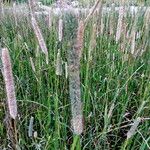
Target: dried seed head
<point x="39" y="37"/>
<point x="111" y="110"/>
<point x="60" y="30"/>
<point x="49" y="19"/>
<point x="133" y="35"/>
<point x="9" y="83"/>
<point x="35" y="134"/>
<point x="37" y="51"/>
<point x="132" y="130"/>
<point x="74" y="55"/>
<point x="32" y="64"/>
<point x="30" y="130"/>
<point x="59" y="64"/>
<point x="66" y="70"/>
<point x="111" y="25"/>
<point x="119" y="26"/>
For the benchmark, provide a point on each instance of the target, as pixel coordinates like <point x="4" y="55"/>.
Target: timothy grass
<point x="115" y="86"/>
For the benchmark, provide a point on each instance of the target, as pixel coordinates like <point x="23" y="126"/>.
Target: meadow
<point x="110" y="74"/>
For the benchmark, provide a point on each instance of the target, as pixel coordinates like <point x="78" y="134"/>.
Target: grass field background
<point x="108" y="2"/>
<point x="115" y="85"/>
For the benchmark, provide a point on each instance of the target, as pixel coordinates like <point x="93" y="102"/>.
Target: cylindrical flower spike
<point x="119" y="26"/>
<point x="75" y="38"/>
<point x="9" y="83"/>
<point x="59" y="64"/>
<point x="66" y="70"/>
<point x="60" y="30"/>
<point x="134" y="127"/>
<point x="39" y="37"/>
<point x="133" y="35"/>
<point x="30" y="130"/>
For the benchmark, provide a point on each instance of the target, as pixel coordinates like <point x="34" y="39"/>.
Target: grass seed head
<point x="60" y="30"/>
<point x="39" y="37"/>
<point x="32" y="64"/>
<point x="133" y="36"/>
<point x="119" y="25"/>
<point x="30" y="130"/>
<point x="59" y="64"/>
<point x="66" y="70"/>
<point x="111" y="110"/>
<point x="132" y="130"/>
<point x="9" y="83"/>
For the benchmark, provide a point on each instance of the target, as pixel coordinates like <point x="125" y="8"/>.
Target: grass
<point x="91" y="2"/>
<point x="106" y="80"/>
<point x="107" y="2"/>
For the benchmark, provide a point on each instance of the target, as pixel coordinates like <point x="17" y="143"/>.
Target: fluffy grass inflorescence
<point x="96" y="85"/>
<point x="11" y="103"/>
<point x="39" y="37"/>
<point x="9" y="83"/>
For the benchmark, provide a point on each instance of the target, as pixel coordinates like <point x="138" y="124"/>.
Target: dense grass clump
<point x="115" y="83"/>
